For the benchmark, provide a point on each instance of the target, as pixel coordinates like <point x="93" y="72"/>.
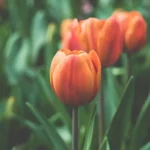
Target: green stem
<point x="101" y="115"/>
<point x="75" y="128"/>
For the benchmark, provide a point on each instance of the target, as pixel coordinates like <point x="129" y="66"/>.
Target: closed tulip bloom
<point x="103" y="36"/>
<point x="75" y="76"/>
<point x="133" y="28"/>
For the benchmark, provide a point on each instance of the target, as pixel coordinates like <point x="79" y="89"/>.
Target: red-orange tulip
<point x="133" y="28"/>
<point x="75" y="76"/>
<point x="103" y="36"/>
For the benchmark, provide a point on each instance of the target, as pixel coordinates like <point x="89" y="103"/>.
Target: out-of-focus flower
<point x="87" y="8"/>
<point x="103" y="36"/>
<point x="75" y="76"/>
<point x="133" y="27"/>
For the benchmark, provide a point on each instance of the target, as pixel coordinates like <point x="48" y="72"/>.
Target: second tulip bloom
<point x="103" y="36"/>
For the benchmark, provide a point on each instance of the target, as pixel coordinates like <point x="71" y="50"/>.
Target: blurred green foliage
<point x="31" y="116"/>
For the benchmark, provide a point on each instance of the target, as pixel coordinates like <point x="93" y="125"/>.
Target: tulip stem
<point x="75" y="128"/>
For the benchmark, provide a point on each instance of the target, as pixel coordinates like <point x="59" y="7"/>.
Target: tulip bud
<point x="133" y="27"/>
<point x="103" y="36"/>
<point x="75" y="76"/>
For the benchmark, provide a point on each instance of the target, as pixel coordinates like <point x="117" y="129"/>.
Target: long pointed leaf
<point x="142" y="125"/>
<point x="121" y="121"/>
<point x="90" y="130"/>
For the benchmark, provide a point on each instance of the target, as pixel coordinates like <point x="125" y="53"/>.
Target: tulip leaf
<point x="63" y="6"/>
<point x="49" y="129"/>
<point x="111" y="96"/>
<point x="146" y="147"/>
<point x="38" y="36"/>
<point x="142" y="125"/>
<point x="22" y="58"/>
<point x="105" y="144"/>
<point x="10" y="53"/>
<point x="90" y="130"/>
<point x="38" y="132"/>
<point x="11" y="44"/>
<point x="120" y="124"/>
<point x="57" y="104"/>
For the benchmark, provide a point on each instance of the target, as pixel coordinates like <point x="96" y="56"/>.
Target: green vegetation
<point x="31" y="116"/>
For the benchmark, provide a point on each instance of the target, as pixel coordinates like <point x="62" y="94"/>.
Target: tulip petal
<point x="60" y="55"/>
<point x="110" y="41"/>
<point x="136" y="29"/>
<point x="97" y="65"/>
<point x="73" y="81"/>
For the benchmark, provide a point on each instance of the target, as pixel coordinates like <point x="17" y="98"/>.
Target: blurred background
<point x="31" y="116"/>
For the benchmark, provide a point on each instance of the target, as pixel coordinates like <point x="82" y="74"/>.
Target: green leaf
<point x="22" y="58"/>
<point x="57" y="104"/>
<point x="11" y="45"/>
<point x="90" y="130"/>
<point x="76" y="7"/>
<point x="142" y="125"/>
<point x="120" y="124"/>
<point x="11" y="51"/>
<point x="146" y="147"/>
<point x="17" y="56"/>
<point x="49" y="129"/>
<point x="36" y="128"/>
<point x="38" y="34"/>
<point x="20" y="15"/>
<point x="111" y="96"/>
<point x="105" y="144"/>
<point x="59" y="9"/>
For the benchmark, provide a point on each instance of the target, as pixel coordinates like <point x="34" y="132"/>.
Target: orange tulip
<point x="75" y="76"/>
<point x="103" y="36"/>
<point x="133" y="27"/>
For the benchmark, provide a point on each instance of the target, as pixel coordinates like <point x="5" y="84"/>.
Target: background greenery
<point x="31" y="116"/>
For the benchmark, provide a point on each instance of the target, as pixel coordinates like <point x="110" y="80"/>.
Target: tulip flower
<point x="133" y="27"/>
<point x="75" y="76"/>
<point x="103" y="36"/>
